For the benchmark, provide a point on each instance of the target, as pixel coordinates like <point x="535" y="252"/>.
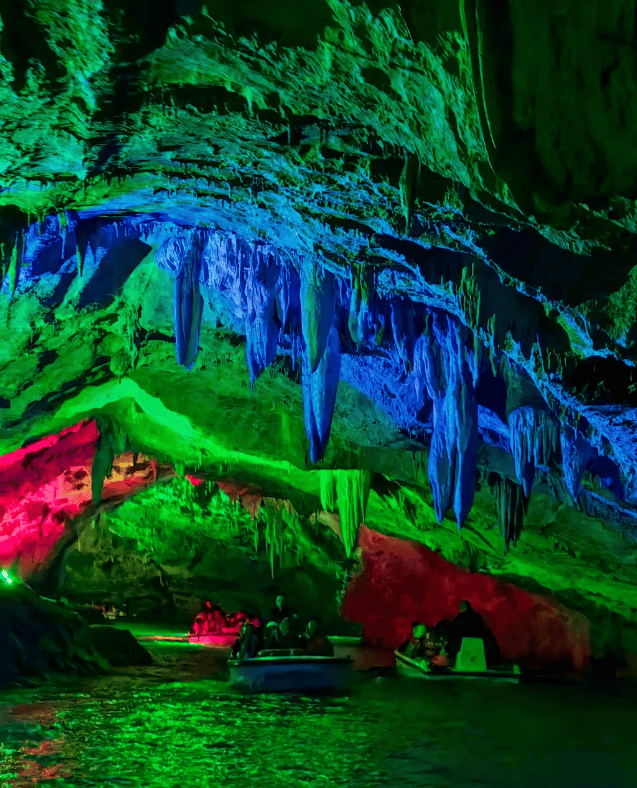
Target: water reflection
<point x="140" y="728"/>
<point x="30" y="756"/>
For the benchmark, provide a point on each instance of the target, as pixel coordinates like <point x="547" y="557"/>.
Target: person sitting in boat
<point x="248" y="643"/>
<point x="315" y="643"/>
<point x="440" y="636"/>
<point x="278" y="613"/>
<point x="281" y="636"/>
<point x="414" y="647"/>
<point x="280" y="610"/>
<point x="470" y="624"/>
<point x="209" y="620"/>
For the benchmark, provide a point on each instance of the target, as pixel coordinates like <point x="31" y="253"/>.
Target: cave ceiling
<point x="271" y="241"/>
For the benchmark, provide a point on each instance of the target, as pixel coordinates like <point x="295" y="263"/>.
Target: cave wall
<point x="46" y="486"/>
<point x="177" y="542"/>
<point x="401" y="582"/>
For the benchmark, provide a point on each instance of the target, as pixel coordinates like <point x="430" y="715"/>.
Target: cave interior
<point x="338" y="301"/>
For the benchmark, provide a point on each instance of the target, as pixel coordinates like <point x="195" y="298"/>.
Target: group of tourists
<point x="282" y="631"/>
<point x="211" y="620"/>
<point x="441" y="644"/>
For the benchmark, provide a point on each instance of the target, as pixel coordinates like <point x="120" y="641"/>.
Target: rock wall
<point x="38" y="636"/>
<point x="401" y="582"/>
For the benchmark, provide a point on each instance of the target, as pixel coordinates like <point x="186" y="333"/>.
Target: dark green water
<point x="167" y="726"/>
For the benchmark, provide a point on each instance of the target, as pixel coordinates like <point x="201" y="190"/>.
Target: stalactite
<point x="365" y="321"/>
<point x="81" y="245"/>
<point x="576" y="451"/>
<point x="15" y="263"/>
<point x="469" y="296"/>
<point x="511" y="504"/>
<point x="403" y="324"/>
<point x="63" y="224"/>
<point x="346" y="491"/>
<point x="256" y="535"/>
<point x="319" y="394"/>
<point x="444" y="363"/>
<point x="352" y="493"/>
<point x="328" y="491"/>
<point x="262" y="325"/>
<point x="534" y="438"/>
<point x="317" y="310"/>
<point x="188" y="303"/>
<point x="407" y="187"/>
<point x="112" y="441"/>
<point x="274" y="534"/>
<point x="355" y="306"/>
<point x="288" y="299"/>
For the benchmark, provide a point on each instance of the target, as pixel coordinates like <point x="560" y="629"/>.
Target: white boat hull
<point x="416" y="669"/>
<point x="292" y="674"/>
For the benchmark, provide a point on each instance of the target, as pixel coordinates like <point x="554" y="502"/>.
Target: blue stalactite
<point x="511" y="505"/>
<point x="288" y="307"/>
<point x="318" y="303"/>
<point x="319" y="393"/>
<point x="534" y="437"/>
<point x="188" y="305"/>
<point x="403" y="324"/>
<point x="576" y="454"/>
<point x="262" y="323"/>
<point x="444" y="363"/>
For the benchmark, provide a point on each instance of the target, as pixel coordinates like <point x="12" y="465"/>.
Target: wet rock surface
<point x="118" y="646"/>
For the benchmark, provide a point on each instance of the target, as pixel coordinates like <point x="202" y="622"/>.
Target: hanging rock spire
<point x="262" y="323"/>
<point x="15" y="262"/>
<point x="318" y="302"/>
<point x="534" y="438"/>
<point x="511" y="504"/>
<point x="444" y="363"/>
<point x="188" y="305"/>
<point x="533" y="430"/>
<point x="576" y="453"/>
<point x="348" y="491"/>
<point x="403" y="325"/>
<point x="319" y="393"/>
<point x="112" y="442"/>
<point x="181" y="256"/>
<point x="321" y="354"/>
<point x="288" y="306"/>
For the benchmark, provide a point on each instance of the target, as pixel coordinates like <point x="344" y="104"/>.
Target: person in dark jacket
<point x="248" y="643"/>
<point x="470" y="624"/>
<point x="276" y="616"/>
<point x="281" y="636"/>
<point x="315" y="643"/>
<point x="280" y="610"/>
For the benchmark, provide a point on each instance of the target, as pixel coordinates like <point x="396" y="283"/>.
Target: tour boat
<point x="285" y="672"/>
<point x="470" y="664"/>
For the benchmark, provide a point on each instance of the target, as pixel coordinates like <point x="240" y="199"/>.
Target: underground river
<point x="177" y="723"/>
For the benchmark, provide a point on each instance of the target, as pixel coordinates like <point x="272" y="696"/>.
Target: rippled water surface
<point x="177" y="723"/>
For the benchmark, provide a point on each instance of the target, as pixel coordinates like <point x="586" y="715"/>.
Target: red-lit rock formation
<point x="45" y="486"/>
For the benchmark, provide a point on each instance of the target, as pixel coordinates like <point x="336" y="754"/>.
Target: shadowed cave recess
<point x="338" y="301"/>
